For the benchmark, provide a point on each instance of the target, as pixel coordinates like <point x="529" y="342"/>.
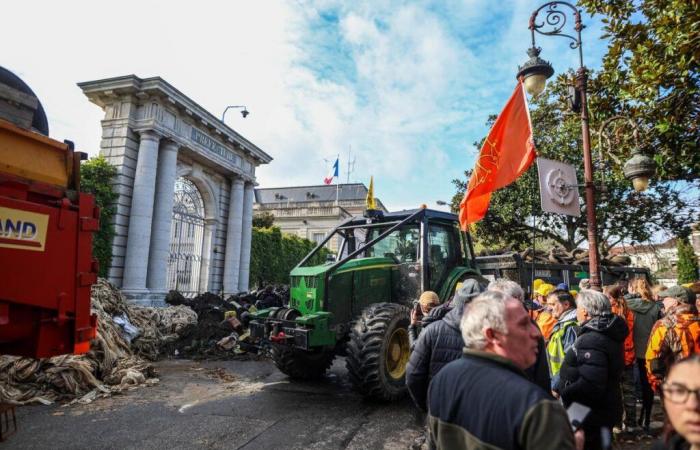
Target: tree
<point x="653" y="67"/>
<point x="95" y="178"/>
<point x="263" y="220"/>
<point x="687" y="262"/>
<point x="622" y="214"/>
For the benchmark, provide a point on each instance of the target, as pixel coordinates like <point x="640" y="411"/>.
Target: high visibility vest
<point x="555" y="346"/>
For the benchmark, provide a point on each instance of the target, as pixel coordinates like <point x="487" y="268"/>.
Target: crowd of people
<point x="564" y="369"/>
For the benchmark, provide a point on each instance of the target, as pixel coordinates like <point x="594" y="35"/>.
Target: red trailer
<point x="46" y="229"/>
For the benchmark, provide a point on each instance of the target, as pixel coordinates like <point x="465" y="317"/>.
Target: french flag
<point x="332" y="173"/>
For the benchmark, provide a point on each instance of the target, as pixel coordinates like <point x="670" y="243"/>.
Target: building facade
<point x="661" y="259"/>
<point x="311" y="212"/>
<point x="185" y="184"/>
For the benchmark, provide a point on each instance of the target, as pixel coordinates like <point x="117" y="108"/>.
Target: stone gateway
<point x="185" y="182"/>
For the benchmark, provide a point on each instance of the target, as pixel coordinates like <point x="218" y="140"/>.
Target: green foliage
<point x="622" y="214"/>
<point x="263" y="220"/>
<point x="95" y="178"/>
<point x="274" y="254"/>
<point x="687" y="262"/>
<point x="653" y="67"/>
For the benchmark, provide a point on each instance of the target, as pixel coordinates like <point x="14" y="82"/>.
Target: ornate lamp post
<point x="535" y="73"/>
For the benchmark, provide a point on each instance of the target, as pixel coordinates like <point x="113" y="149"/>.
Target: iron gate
<point x="186" y="239"/>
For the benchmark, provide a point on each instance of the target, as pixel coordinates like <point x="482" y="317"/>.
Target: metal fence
<point x="186" y="239"/>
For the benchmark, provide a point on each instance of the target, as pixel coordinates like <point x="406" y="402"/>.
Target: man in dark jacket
<point x="483" y="400"/>
<point x="593" y="366"/>
<point x="538" y="373"/>
<point x="439" y="343"/>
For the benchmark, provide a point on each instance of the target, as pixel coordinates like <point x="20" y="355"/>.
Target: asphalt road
<point x="223" y="404"/>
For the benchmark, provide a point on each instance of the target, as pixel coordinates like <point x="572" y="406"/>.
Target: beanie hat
<point x="470" y="289"/>
<point x="428" y="298"/>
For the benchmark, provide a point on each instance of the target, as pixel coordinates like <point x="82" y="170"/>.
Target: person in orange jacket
<point x="543" y="316"/>
<point x="620" y="308"/>
<point x="675" y="336"/>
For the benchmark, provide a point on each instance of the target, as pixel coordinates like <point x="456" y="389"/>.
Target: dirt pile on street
<point x="221" y="329"/>
<point x="126" y="337"/>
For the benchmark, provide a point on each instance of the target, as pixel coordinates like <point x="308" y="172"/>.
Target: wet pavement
<point x="224" y="404"/>
<point x="229" y="404"/>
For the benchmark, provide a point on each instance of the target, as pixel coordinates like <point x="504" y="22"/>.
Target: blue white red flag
<point x="332" y="173"/>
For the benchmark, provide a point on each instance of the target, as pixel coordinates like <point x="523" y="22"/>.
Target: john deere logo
<point x="22" y="229"/>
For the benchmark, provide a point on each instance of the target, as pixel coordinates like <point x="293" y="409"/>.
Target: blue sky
<point x="406" y="85"/>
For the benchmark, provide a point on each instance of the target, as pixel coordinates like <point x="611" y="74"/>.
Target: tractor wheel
<point x="300" y="364"/>
<point x="378" y="351"/>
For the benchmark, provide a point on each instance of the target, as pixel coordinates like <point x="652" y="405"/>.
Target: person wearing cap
<point x="543" y="317"/>
<point x="439" y="343"/>
<point x="563" y="308"/>
<point x="427" y="301"/>
<point x="674" y="337"/>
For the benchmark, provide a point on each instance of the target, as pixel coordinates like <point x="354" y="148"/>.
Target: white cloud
<point x="407" y="85"/>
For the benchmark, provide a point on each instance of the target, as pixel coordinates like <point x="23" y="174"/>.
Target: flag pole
<point x="337" y="183"/>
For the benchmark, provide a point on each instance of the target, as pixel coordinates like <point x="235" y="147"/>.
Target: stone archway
<point x="154" y="134"/>
<point x="186" y="239"/>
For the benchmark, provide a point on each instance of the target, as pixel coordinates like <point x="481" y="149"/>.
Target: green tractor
<point x="358" y="304"/>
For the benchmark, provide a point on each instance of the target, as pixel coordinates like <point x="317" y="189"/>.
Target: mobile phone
<point x="577" y="415"/>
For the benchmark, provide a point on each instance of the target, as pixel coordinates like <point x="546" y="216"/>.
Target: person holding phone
<point x="427" y="301"/>
<point x="592" y="367"/>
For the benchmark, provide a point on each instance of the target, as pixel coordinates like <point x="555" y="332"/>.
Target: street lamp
<point x="538" y="70"/>
<point x="535" y="71"/>
<point x="244" y="113"/>
<point x="639" y="168"/>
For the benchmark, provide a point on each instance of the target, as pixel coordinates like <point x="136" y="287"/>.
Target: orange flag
<point x="507" y="152"/>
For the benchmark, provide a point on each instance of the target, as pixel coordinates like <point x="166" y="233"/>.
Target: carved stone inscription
<point x="210" y="144"/>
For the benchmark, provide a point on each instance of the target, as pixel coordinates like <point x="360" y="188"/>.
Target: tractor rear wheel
<point x="300" y="364"/>
<point x="378" y="351"/>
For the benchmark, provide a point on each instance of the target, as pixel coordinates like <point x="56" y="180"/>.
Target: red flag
<point x="507" y="152"/>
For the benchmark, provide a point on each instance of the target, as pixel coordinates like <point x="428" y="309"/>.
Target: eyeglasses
<point x="677" y="393"/>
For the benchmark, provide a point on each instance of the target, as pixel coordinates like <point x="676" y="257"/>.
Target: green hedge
<point x="274" y="254"/>
<point x="95" y="178"/>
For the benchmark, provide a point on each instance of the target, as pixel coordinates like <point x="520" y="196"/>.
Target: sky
<point x="402" y="88"/>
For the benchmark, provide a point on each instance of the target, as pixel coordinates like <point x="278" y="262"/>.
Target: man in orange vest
<point x="675" y="336"/>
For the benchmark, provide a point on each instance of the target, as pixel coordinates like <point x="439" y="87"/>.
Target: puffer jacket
<point x="674" y="337"/>
<point x="646" y="313"/>
<point x="439" y="343"/>
<point x="593" y="368"/>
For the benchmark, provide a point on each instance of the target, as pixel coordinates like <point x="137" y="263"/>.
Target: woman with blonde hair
<point x="640" y="300"/>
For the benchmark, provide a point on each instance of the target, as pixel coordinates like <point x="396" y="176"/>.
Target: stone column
<point x="246" y="236"/>
<point x="140" y="215"/>
<point x="232" y="257"/>
<point x="208" y="247"/>
<point x="162" y="218"/>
